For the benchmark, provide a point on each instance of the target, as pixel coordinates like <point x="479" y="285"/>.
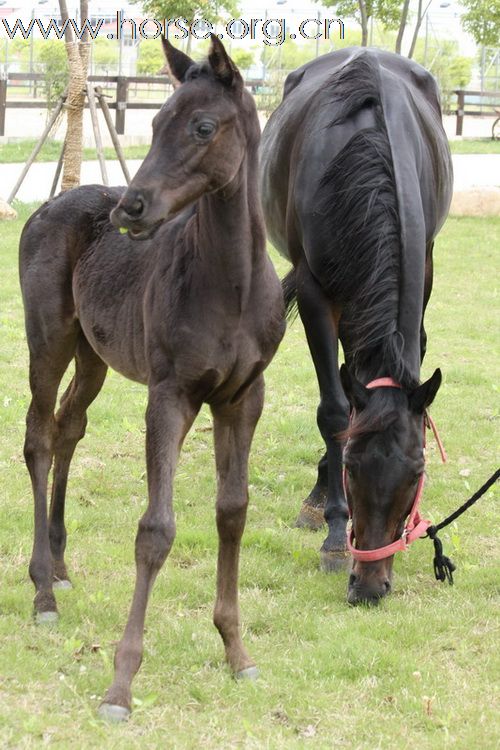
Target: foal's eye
<point x="204" y="130"/>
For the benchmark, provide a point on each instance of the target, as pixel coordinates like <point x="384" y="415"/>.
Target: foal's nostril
<point x="352" y="579"/>
<point x="387" y="586"/>
<point x="136" y="208"/>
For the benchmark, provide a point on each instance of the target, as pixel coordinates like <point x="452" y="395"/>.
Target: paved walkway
<point x="471" y="170"/>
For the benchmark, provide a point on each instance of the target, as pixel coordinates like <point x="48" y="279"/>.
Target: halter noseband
<point x="415" y="526"/>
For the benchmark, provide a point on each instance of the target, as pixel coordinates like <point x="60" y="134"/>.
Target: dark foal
<point x="194" y="311"/>
<point x="356" y="181"/>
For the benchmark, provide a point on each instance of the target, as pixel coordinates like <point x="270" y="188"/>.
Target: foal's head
<point x="200" y="139"/>
<point x="384" y="461"/>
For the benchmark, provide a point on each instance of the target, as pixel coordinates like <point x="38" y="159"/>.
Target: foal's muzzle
<point x="131" y="214"/>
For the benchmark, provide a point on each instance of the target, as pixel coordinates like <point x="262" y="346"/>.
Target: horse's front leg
<point x="233" y="431"/>
<point x="168" y="418"/>
<point x="318" y="316"/>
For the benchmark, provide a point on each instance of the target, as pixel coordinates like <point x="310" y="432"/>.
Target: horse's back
<point x="63" y="227"/>
<point x="303" y="137"/>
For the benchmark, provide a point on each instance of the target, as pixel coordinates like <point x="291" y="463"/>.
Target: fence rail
<point x="120" y="104"/>
<point x="475" y="104"/>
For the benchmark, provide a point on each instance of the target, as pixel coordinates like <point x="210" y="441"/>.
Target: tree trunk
<point x="402" y="26"/>
<point x="364" y="23"/>
<point x="420" y="18"/>
<point x="78" y="53"/>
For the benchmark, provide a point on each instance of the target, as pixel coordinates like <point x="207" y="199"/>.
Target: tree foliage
<point x="388" y="12"/>
<point x="243" y="58"/>
<point x="482" y="21"/>
<point x="150" y="60"/>
<point x="52" y="56"/>
<point x="209" y="10"/>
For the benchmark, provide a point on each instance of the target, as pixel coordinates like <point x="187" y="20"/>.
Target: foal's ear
<point x="177" y="62"/>
<point x="424" y="395"/>
<point x="355" y="391"/>
<point x="223" y="67"/>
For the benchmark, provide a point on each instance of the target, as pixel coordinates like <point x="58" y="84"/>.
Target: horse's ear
<point x="177" y="62"/>
<point x="223" y="67"/>
<point x="424" y="394"/>
<point x="355" y="391"/>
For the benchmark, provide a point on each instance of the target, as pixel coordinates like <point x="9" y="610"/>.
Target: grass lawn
<point x="419" y="671"/>
<point x="475" y="146"/>
<point x="19" y="151"/>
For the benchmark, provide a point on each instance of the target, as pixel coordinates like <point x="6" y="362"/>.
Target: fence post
<point x="3" y="101"/>
<point x="121" y="103"/>
<point x="460" y="111"/>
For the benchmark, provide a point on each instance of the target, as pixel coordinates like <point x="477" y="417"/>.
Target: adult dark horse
<point x="195" y="312"/>
<point x="356" y="180"/>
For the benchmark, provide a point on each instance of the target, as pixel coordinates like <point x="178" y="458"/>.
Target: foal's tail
<point x="289" y="287"/>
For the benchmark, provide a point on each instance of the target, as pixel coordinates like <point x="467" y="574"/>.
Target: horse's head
<point x="200" y="139"/>
<point x="384" y="462"/>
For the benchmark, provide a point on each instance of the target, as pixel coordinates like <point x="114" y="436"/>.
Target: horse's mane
<point x="360" y="231"/>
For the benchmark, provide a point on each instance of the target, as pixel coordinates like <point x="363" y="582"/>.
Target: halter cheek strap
<point x="415" y="526"/>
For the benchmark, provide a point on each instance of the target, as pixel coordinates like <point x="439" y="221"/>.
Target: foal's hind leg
<point x="71" y="421"/>
<point x="47" y="366"/>
<point x="233" y="431"/>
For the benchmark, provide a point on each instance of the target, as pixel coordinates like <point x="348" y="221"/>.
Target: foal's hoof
<point x="113" y="713"/>
<point x="46" y="618"/>
<point x="62" y="584"/>
<point x="310" y="517"/>
<point x="250" y="673"/>
<point x="333" y="561"/>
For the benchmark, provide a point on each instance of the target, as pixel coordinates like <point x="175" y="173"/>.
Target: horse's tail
<point x="289" y="287"/>
<point x="360" y="231"/>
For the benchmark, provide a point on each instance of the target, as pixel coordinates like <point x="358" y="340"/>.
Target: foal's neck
<point x="230" y="224"/>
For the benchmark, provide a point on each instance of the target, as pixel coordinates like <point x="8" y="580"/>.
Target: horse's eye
<point x="205" y="130"/>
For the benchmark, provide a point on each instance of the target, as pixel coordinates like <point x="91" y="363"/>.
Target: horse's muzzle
<point x="367" y="592"/>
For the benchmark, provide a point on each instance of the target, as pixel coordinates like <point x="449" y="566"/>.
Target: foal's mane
<point x="359" y="231"/>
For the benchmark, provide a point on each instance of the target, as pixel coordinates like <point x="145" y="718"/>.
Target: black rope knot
<point x="443" y="566"/>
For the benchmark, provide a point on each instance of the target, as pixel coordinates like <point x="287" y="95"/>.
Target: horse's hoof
<point x="46" y="618"/>
<point x="113" y="713"/>
<point x="250" y="673"/>
<point x="333" y="561"/>
<point x="310" y="517"/>
<point x="62" y="584"/>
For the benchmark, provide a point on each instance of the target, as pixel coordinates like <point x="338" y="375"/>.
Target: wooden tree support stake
<point x="97" y="133"/>
<point x="36" y="150"/>
<point x="58" y="171"/>
<point x="112" y="132"/>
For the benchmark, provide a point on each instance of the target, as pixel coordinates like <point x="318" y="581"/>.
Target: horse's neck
<point x="230" y="228"/>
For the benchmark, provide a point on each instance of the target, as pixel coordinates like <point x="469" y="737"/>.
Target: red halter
<point x="415" y="526"/>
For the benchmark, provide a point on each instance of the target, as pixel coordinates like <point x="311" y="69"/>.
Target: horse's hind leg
<point x="312" y="512"/>
<point x="233" y="431"/>
<point x="47" y="366"/>
<point x="71" y="421"/>
<point x="429" y="272"/>
<point x="319" y="323"/>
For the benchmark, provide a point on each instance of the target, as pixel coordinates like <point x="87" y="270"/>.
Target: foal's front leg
<point x="233" y="431"/>
<point x="168" y="418"/>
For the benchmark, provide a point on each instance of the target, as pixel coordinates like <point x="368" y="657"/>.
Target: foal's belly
<point x="108" y="291"/>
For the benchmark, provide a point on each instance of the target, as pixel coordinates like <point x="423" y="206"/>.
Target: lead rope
<point x="443" y="566"/>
